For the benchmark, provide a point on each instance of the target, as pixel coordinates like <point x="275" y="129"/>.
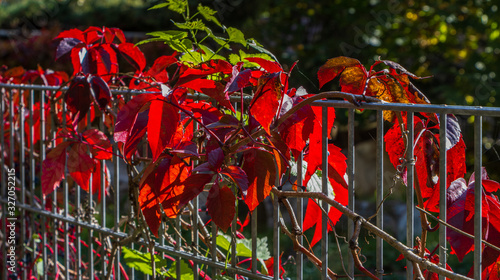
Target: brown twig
<point x="396" y="244"/>
<point x="354" y="246"/>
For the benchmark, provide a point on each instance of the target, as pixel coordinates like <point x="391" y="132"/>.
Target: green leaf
<point x="262" y="247"/>
<point x="39" y="267"/>
<point x="219" y="40"/>
<point x="186" y="271"/>
<point x="197" y="58"/>
<point x="254" y="44"/>
<point x="169" y="34"/>
<point x="142" y="261"/>
<point x="192" y="25"/>
<point x="178" y="6"/>
<point x="234" y="58"/>
<point x="158" y="6"/>
<point x="236" y="36"/>
<point x="208" y="14"/>
<point x="223" y="242"/>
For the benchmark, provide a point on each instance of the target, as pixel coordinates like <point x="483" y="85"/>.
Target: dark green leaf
<point x="208" y="14"/>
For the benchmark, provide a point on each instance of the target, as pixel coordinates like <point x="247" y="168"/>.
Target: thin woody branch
<point x="403" y="249"/>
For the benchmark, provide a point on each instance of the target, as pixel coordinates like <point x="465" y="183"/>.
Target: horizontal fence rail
<point x="47" y="226"/>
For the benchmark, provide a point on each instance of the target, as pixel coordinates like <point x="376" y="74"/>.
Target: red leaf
<point x="265" y="102"/>
<point x="128" y="114"/>
<point x="66" y="45"/>
<point x="268" y="65"/>
<point x="162" y="126"/>
<point x="53" y="168"/>
<point x="133" y="55"/>
<point x="136" y="133"/>
<point x="97" y="180"/>
<point x="159" y="184"/>
<point x="239" y="80"/>
<point x="353" y="79"/>
<point x="211" y="88"/>
<point x="80" y="165"/>
<point x="259" y="165"/>
<point x="99" y="144"/>
<point x="72" y="33"/>
<point x="333" y="67"/>
<point x="203" y="70"/>
<point x="313" y="157"/>
<point x="100" y="91"/>
<point x="220" y="206"/>
<point x="77" y="98"/>
<point x="270" y="267"/>
<point x="239" y="177"/>
<point x="297" y="129"/>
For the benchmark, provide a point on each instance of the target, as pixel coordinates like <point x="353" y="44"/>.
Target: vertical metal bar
<point x="233" y="236"/>
<point x="299" y="256"/>
<point x="409" y="190"/>
<point x="66" y="213"/>
<point x="324" y="184"/>
<point x="2" y="176"/>
<point x="55" y="236"/>
<point x="104" y="256"/>
<point x="442" y="189"/>
<point x="276" y="230"/>
<point x="178" y="241"/>
<point x="478" y="196"/>
<point x="78" y="241"/>
<point x="42" y="157"/>
<point x="32" y="165"/>
<point x="195" y="240"/>
<point x="116" y="179"/>
<point x="380" y="192"/>
<point x="22" y="176"/>
<point x="91" y="216"/>
<point x="213" y="250"/>
<point x="351" y="186"/>
<point x="254" y="240"/>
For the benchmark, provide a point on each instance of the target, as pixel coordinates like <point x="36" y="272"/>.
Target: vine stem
<point x="407" y="252"/>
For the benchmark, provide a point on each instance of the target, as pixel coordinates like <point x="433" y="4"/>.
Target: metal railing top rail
<point x="409" y="107"/>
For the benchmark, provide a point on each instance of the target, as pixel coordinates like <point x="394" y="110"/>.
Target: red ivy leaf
<point x="100" y="91"/>
<point x="133" y="55"/>
<point x="333" y="67"/>
<point x="261" y="172"/>
<point x="99" y="144"/>
<point x="80" y="165"/>
<point x="267" y="65"/>
<point x="77" y="98"/>
<point x="127" y="116"/>
<point x="239" y="177"/>
<point x="53" y="168"/>
<point x="220" y="206"/>
<point x="162" y="126"/>
<point x="266" y="100"/>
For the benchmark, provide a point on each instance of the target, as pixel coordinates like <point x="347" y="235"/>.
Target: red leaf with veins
<point x="203" y="70"/>
<point x="53" y="168"/>
<point x="133" y="55"/>
<point x="268" y="65"/>
<point x="101" y="92"/>
<point x="334" y="67"/>
<point x="239" y="177"/>
<point x="127" y="116"/>
<point x="314" y="217"/>
<point x="159" y="184"/>
<point x="297" y="129"/>
<point x="77" y="98"/>
<point x="220" y="206"/>
<point x="259" y="165"/>
<point x="265" y="102"/>
<point x="80" y="165"/>
<point x="211" y="88"/>
<point x="162" y="126"/>
<point x="99" y="144"/>
<point x="313" y="157"/>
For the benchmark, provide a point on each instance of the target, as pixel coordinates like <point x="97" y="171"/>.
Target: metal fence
<point x="43" y="236"/>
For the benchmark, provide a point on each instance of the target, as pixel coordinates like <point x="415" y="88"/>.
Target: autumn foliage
<point x="239" y="142"/>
